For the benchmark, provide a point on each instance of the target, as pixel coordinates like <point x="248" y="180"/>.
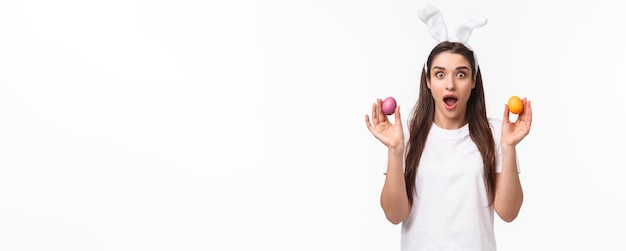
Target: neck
<point x="449" y="123"/>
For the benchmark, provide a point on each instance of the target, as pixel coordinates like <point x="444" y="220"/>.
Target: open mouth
<point x="450" y="100"/>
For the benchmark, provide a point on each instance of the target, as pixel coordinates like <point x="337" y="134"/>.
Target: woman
<point x="456" y="166"/>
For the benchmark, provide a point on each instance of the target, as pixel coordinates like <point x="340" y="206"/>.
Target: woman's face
<point x="451" y="83"/>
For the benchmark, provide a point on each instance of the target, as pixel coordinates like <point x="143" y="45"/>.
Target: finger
<point x="525" y="111"/>
<point x="505" y="116"/>
<point x="368" y="123"/>
<point x="381" y="116"/>
<point x="528" y="116"/>
<point x="374" y="115"/>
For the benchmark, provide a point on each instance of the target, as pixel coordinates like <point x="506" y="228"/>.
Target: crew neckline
<point x="450" y="133"/>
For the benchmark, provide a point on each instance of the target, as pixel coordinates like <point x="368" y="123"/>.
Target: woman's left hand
<point x="514" y="132"/>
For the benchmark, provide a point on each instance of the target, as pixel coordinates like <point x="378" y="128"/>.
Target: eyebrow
<point x="458" y="68"/>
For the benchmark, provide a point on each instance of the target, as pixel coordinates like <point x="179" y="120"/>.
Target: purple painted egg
<point x="389" y="106"/>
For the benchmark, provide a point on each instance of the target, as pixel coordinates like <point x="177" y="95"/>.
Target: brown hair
<point x="476" y="115"/>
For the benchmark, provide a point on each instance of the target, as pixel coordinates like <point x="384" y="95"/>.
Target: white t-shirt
<point x="450" y="204"/>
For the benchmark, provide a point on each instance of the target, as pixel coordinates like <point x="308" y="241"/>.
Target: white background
<point x="239" y="125"/>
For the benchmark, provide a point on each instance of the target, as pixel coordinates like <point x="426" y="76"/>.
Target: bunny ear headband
<point x="433" y="18"/>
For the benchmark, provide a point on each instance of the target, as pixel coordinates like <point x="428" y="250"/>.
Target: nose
<point x="450" y="84"/>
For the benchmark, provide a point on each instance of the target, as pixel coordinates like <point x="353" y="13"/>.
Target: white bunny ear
<point x="433" y="18"/>
<point x="466" y="26"/>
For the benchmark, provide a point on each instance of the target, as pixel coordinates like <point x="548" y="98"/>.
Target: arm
<point x="393" y="198"/>
<point x="508" y="195"/>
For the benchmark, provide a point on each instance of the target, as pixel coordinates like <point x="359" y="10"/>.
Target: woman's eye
<point x="439" y="74"/>
<point x="460" y="75"/>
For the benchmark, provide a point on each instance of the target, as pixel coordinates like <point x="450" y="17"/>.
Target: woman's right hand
<point x="390" y="134"/>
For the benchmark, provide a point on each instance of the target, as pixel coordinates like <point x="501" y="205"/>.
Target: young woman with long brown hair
<point x="454" y="167"/>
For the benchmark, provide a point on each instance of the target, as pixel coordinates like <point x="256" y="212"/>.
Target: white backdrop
<point x="239" y="125"/>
